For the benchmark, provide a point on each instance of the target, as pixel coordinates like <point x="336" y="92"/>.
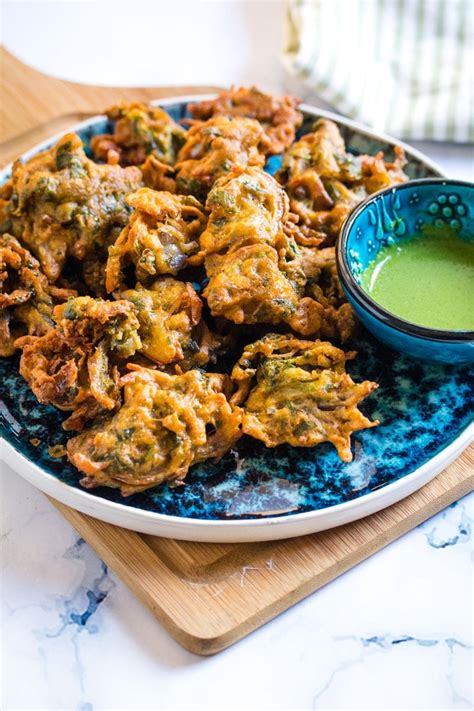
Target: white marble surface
<point x="393" y="633"/>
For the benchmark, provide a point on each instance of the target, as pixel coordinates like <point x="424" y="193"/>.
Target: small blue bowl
<point x="391" y="216"/>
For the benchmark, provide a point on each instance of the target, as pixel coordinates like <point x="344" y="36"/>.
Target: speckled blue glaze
<point x="391" y="216"/>
<point x="421" y="407"/>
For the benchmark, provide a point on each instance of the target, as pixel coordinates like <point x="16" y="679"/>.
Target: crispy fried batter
<point x="377" y="174"/>
<point x="70" y="379"/>
<point x="158" y="175"/>
<point x="85" y="321"/>
<point x="246" y="207"/>
<point x="325" y="183"/>
<point x="70" y="366"/>
<point x="21" y="278"/>
<point x="140" y="130"/>
<point x="251" y="255"/>
<point x="250" y="286"/>
<point x="319" y="267"/>
<point x="216" y="146"/>
<point x="279" y="116"/>
<point x="298" y="392"/>
<point x="64" y="204"/>
<point x="160" y="237"/>
<point x="26" y="298"/>
<point x="171" y="329"/>
<point x="166" y="424"/>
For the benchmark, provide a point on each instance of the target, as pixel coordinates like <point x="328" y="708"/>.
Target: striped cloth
<point x="401" y="66"/>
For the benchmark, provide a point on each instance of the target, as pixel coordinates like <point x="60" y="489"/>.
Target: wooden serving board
<point x="207" y="595"/>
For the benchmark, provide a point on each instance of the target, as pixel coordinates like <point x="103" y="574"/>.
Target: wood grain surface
<point x="34" y="105"/>
<point x="207" y="595"/>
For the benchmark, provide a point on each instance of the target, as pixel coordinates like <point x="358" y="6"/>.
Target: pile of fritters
<point x="127" y="278"/>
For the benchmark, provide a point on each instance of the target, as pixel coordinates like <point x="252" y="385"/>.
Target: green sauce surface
<point x="427" y="280"/>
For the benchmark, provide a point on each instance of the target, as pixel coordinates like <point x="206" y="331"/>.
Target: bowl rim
<point x="363" y="299"/>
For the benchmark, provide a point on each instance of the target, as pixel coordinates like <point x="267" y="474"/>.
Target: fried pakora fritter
<point x="73" y="366"/>
<point x="21" y="278"/>
<point x="378" y="174"/>
<point x="213" y="148"/>
<point x="251" y="256"/>
<point x="171" y="328"/>
<point x="325" y="183"/>
<point x="297" y="392"/>
<point x="251" y="287"/>
<point x="160" y="237"/>
<point x="139" y="130"/>
<point x="158" y="175"/>
<point x="26" y="297"/>
<point x="323" y="285"/>
<point x="246" y="207"/>
<point x="74" y="380"/>
<point x="85" y="321"/>
<point x="63" y="204"/>
<point x="166" y="424"/>
<point x="279" y="116"/>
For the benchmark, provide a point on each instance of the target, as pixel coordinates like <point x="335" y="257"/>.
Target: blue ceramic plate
<point x="255" y="493"/>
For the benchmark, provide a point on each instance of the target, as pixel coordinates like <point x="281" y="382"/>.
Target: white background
<point x="394" y="633"/>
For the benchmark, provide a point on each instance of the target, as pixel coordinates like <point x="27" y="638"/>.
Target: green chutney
<point x="427" y="280"/>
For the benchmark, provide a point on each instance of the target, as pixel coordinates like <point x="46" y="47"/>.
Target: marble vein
<point x="452" y="526"/>
<point x="386" y="642"/>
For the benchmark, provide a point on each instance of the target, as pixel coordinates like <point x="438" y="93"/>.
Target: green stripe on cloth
<point x="401" y="65"/>
<point x="457" y="73"/>
<point x="400" y="6"/>
<point x="434" y="85"/>
<point x="415" y="67"/>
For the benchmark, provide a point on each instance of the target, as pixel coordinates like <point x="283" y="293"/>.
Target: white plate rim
<point x="233" y="531"/>
<point x="230" y="531"/>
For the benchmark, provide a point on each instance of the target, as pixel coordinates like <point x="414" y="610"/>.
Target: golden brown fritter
<point x="377" y="174"/>
<point x="140" y="130"/>
<point x="85" y="321"/>
<point x="73" y="366"/>
<point x="158" y="175"/>
<point x="325" y="183"/>
<point x="323" y="285"/>
<point x="160" y="237"/>
<point x="73" y="379"/>
<point x="21" y="278"/>
<point x="246" y="207"/>
<point x="64" y="204"/>
<point x="216" y="146"/>
<point x="251" y="256"/>
<point x="250" y="287"/>
<point x="26" y="298"/>
<point x="278" y="115"/>
<point x="297" y="392"/>
<point x="166" y="424"/>
<point x="171" y="328"/>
